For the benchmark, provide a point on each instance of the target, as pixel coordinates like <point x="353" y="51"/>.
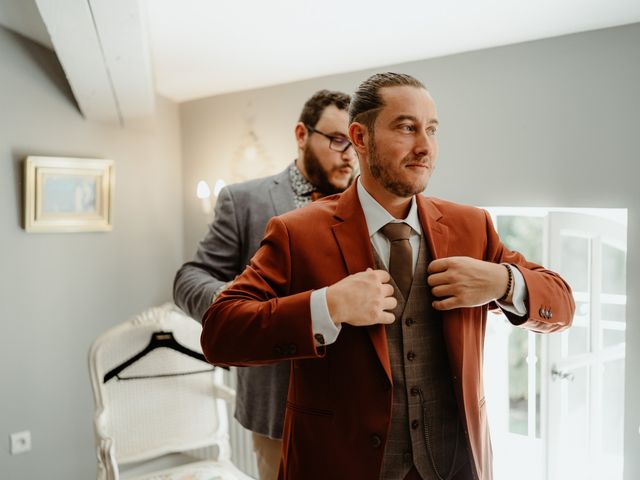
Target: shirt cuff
<point x="219" y="290"/>
<point x="325" y="332"/>
<point x="519" y="297"/>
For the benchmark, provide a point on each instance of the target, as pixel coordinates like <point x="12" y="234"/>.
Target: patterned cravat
<point x="400" y="258"/>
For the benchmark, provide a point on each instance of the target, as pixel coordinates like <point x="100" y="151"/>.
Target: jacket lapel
<point x="437" y="233"/>
<point x="352" y="236"/>
<point x="351" y="232"/>
<point x="431" y="219"/>
<point x="281" y="193"/>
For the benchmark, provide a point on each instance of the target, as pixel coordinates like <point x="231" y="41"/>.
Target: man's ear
<point x="301" y="134"/>
<point x="358" y="134"/>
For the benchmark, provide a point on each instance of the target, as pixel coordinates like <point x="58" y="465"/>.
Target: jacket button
<point x="411" y="356"/>
<point x="376" y="441"/>
<point x="409" y="321"/>
<point x="415" y="391"/>
<point x="415" y="424"/>
<point x="407" y="457"/>
<point x="293" y="349"/>
<point x="278" y="350"/>
<point x="542" y="312"/>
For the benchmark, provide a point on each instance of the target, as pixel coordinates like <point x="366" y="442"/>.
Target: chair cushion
<point x="197" y="471"/>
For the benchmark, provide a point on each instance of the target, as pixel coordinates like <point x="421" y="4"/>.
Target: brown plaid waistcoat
<point x="422" y="387"/>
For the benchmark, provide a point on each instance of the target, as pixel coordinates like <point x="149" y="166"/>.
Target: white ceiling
<point x="188" y="49"/>
<point x="204" y="47"/>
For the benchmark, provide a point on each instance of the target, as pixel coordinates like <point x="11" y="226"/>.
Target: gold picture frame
<point x="68" y="194"/>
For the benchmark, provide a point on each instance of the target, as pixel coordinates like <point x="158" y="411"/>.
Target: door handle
<point x="560" y="375"/>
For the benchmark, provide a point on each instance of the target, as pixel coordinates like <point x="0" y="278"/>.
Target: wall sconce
<point x="203" y="192"/>
<point x="218" y="186"/>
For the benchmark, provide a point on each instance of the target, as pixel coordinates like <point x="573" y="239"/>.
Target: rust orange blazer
<point x="339" y="402"/>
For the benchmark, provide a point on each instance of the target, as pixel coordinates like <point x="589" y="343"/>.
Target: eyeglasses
<point x="337" y="144"/>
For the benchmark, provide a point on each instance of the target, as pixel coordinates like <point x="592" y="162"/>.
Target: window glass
<point x="518" y="381"/>
<point x="575" y="262"/>
<point x="612" y="411"/>
<point x="523" y="234"/>
<point x="614" y="272"/>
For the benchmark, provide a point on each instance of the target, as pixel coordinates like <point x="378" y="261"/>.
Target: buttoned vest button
<point x="415" y="424"/>
<point x="407" y="457"/>
<point x="411" y="356"/>
<point x="415" y="391"/>
<point x="376" y="441"/>
<point x="409" y="321"/>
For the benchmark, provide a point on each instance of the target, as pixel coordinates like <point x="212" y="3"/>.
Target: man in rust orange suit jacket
<point x="317" y="293"/>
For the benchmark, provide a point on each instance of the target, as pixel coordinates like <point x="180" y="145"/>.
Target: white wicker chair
<point x="160" y="426"/>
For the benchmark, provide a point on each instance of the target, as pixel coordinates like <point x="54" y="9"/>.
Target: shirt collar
<point x="301" y="186"/>
<point x="377" y="217"/>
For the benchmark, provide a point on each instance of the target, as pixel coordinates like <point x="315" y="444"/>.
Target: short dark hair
<point x="320" y="100"/>
<point x="367" y="101"/>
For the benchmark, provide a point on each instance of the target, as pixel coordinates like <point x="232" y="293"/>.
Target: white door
<point x="585" y="368"/>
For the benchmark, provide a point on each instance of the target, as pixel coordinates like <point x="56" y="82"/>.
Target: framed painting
<point x="68" y="194"/>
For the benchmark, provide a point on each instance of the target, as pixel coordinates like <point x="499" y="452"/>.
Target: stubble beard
<point x="381" y="171"/>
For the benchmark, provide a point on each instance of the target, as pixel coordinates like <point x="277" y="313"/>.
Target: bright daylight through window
<point x="556" y="402"/>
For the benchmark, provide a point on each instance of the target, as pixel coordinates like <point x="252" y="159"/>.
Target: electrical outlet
<point x="20" y="442"/>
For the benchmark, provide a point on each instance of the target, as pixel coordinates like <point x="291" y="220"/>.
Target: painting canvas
<point x="68" y="194"/>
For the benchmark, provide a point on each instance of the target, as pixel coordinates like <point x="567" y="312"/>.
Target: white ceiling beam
<point x="103" y="50"/>
<point x="75" y="40"/>
<point x="22" y="16"/>
<point x="121" y="29"/>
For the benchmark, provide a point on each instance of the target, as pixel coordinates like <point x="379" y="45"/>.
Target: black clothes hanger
<point x="158" y="339"/>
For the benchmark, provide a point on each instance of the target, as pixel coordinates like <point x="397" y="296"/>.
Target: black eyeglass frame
<point x="331" y="138"/>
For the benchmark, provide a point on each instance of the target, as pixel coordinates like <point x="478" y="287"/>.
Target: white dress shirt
<point x="377" y="217"/>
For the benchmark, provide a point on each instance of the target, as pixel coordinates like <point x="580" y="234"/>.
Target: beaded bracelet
<point x="509" y="283"/>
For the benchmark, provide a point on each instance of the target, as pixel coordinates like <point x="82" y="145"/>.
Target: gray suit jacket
<point x="241" y="215"/>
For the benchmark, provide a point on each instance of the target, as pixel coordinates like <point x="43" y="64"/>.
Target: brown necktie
<point x="400" y="258"/>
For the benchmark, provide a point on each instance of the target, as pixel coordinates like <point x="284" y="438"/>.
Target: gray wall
<point x="60" y="291"/>
<point x="546" y="123"/>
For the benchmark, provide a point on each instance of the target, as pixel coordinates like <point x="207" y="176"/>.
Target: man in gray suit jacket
<point x="325" y="164"/>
